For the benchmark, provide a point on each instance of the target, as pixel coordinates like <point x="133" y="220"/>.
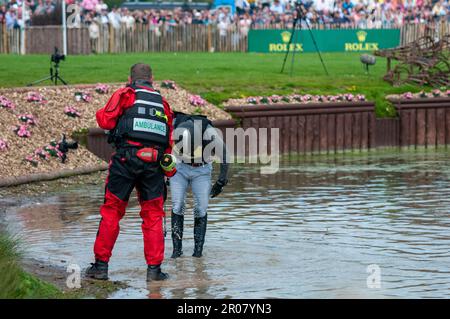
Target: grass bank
<point x="219" y="76"/>
<point x="15" y="283"/>
<point x="31" y="279"/>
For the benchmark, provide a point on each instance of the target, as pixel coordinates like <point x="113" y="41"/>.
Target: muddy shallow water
<point x="311" y="230"/>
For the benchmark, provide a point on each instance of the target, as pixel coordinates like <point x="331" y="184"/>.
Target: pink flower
<point x="436" y="93"/>
<point x="32" y="160"/>
<point x="40" y="153"/>
<point x="3" y="145"/>
<point x="321" y="98"/>
<point x="6" y="103"/>
<point x="275" y="98"/>
<point x="331" y="98"/>
<point x="307" y="98"/>
<point x="297" y="97"/>
<point x="448" y="92"/>
<point x="27" y="118"/>
<point x="83" y="96"/>
<point x="361" y="97"/>
<point x="35" y="97"/>
<point x="102" y="88"/>
<point x="407" y="95"/>
<point x="196" y="100"/>
<point x="348" y="97"/>
<point x="168" y="84"/>
<point x="22" y="131"/>
<point x="71" y="111"/>
<point x="53" y="150"/>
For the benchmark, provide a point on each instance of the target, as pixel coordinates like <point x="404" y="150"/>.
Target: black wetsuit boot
<point x="199" y="235"/>
<point x="98" y="270"/>
<point x="154" y="273"/>
<point x="177" y="234"/>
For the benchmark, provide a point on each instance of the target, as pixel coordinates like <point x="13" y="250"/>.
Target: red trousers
<point x="126" y="171"/>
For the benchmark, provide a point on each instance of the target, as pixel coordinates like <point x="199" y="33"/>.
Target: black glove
<point x="217" y="188"/>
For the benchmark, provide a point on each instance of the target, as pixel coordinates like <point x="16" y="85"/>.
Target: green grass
<point x="14" y="282"/>
<point x="219" y="76"/>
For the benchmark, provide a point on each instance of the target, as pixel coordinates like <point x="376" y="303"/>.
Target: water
<point x="311" y="230"/>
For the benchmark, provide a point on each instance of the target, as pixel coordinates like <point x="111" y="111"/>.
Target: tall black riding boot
<point x="199" y="235"/>
<point x="177" y="234"/>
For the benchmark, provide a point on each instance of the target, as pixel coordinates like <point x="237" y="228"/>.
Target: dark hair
<point x="140" y="71"/>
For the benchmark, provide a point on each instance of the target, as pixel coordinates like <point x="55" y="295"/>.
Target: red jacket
<point x="121" y="100"/>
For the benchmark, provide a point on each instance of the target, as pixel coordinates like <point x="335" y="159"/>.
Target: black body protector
<point x="188" y="121"/>
<point x="145" y="121"/>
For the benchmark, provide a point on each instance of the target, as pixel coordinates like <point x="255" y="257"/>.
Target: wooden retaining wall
<point x="325" y="128"/>
<point x="423" y="122"/>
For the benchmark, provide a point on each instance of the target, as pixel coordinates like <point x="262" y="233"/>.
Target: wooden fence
<point x="9" y="40"/>
<point x="142" y="38"/>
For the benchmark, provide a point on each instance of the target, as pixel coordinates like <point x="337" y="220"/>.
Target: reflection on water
<point x="308" y="231"/>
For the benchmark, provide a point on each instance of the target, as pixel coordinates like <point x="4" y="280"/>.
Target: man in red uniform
<point x="140" y="124"/>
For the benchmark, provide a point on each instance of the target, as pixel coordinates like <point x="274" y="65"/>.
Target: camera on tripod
<point x="56" y="57"/>
<point x="301" y="10"/>
<point x="54" y="76"/>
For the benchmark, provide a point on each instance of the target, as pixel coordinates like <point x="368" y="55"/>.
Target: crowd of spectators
<point x="248" y="14"/>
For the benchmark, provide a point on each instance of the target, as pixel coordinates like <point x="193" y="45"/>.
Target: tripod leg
<point x="317" y="48"/>
<point x="295" y="49"/>
<point x="61" y="79"/>
<point x="289" y="45"/>
<point x="41" y="80"/>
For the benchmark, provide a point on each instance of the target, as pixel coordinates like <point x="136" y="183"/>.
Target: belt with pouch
<point x="148" y="154"/>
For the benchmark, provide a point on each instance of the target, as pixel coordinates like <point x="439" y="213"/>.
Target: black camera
<point x="64" y="146"/>
<point x="56" y="57"/>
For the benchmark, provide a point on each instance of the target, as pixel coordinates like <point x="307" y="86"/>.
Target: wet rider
<point x="197" y="144"/>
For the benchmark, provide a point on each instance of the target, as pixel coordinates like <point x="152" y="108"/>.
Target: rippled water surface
<point x="311" y="230"/>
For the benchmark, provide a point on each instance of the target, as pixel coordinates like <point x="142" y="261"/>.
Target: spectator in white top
<point x="114" y="18"/>
<point x="11" y="18"/>
<point x="104" y="17"/>
<point x="100" y="6"/>
<point x="244" y="24"/>
<point x="323" y="6"/>
<point x="277" y="7"/>
<point x="128" y="20"/>
<point x="223" y="27"/>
